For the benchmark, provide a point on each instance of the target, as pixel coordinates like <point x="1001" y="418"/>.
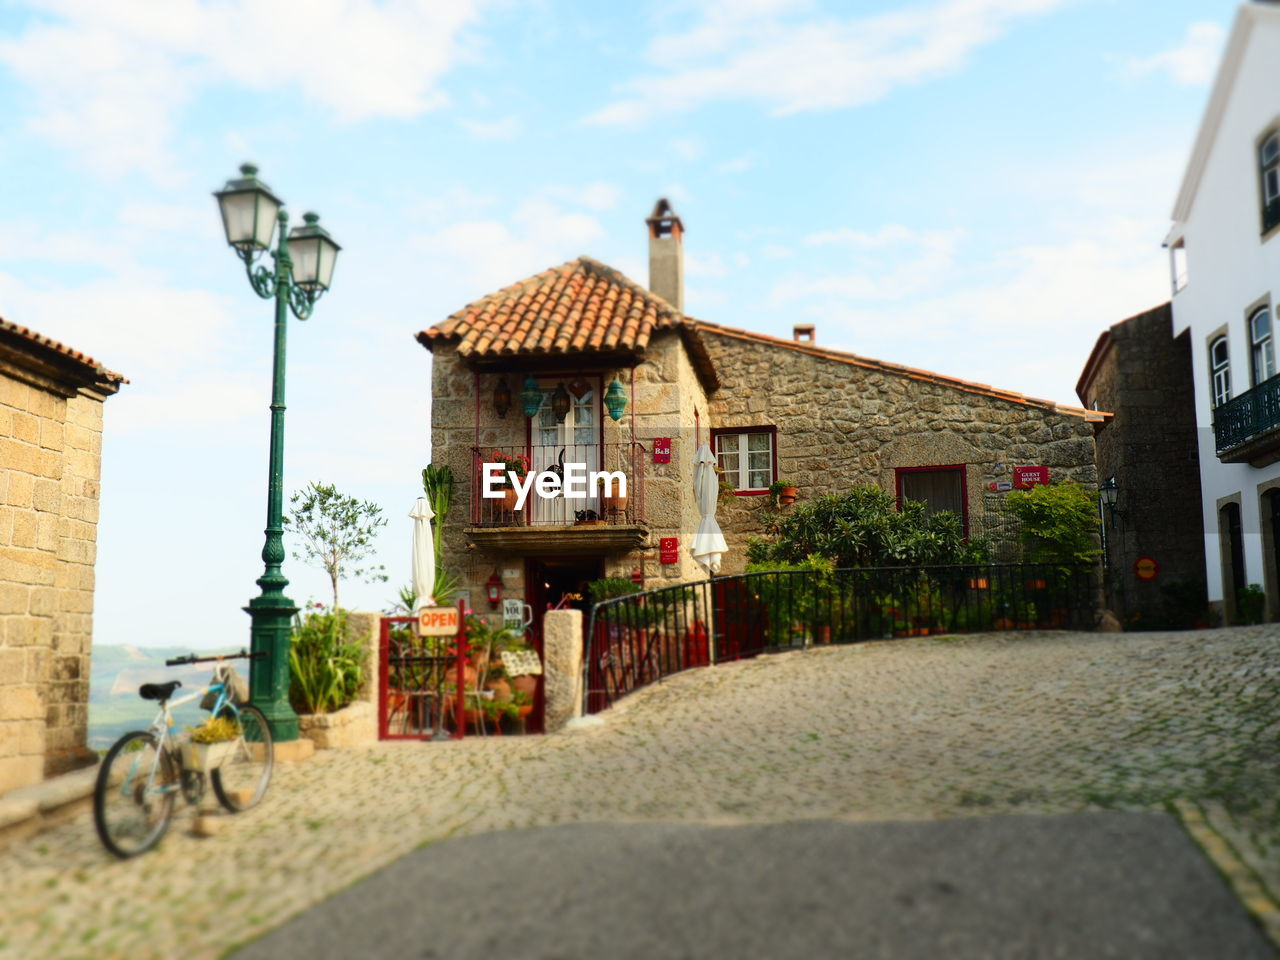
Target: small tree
<point x="337" y="533"/>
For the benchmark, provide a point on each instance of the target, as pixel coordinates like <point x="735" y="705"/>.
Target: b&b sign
<point x="438" y="622"/>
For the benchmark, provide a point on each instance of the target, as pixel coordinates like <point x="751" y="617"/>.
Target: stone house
<point x="578" y="338"/>
<point x="51" y="399"/>
<point x="1141" y="373"/>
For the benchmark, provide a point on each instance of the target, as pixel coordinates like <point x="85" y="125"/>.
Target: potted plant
<point x="517" y="464"/>
<point x="783" y="491"/>
<point x="210" y="744"/>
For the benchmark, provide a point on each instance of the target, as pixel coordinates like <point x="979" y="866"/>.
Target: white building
<point x="1225" y="257"/>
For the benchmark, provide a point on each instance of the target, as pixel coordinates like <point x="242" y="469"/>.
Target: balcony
<point x="1246" y="429"/>
<point x="562" y="525"/>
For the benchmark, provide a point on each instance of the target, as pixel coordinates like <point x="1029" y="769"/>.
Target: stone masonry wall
<point x="667" y="392"/>
<point x="1150" y="445"/>
<point x="841" y="425"/>
<point x="50" y="467"/>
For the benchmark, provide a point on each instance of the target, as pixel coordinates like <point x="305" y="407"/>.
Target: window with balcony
<point x="1269" y="176"/>
<point x="1263" y="351"/>
<point x="1219" y="371"/>
<point x="746" y="458"/>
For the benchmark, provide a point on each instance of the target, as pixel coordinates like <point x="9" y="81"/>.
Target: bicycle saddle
<point x="158" y="691"/>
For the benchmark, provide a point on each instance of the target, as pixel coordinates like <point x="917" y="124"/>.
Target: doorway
<point x="556" y="583"/>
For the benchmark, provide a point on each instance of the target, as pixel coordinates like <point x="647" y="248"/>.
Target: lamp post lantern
<point x="250" y="215"/>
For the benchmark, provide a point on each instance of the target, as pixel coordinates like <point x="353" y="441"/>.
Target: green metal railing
<point x="1247" y="416"/>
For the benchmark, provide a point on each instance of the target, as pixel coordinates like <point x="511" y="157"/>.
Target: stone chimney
<point x="803" y="333"/>
<point x="666" y="254"/>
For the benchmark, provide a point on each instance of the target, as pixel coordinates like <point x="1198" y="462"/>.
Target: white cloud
<point x="110" y="79"/>
<point x="508" y="128"/>
<point x="762" y="52"/>
<point x="689" y="148"/>
<point x="736" y="165"/>
<point x="597" y="196"/>
<point x="1190" y="64"/>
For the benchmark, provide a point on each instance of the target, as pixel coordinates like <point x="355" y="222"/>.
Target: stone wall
<point x="1143" y="376"/>
<point x="50" y="467"/>
<point x="842" y="424"/>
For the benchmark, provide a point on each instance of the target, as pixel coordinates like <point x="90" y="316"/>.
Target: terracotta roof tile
<point x="83" y="359"/>
<point x="581" y="306"/>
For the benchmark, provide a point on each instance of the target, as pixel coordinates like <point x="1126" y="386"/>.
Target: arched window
<point x="1263" y="352"/>
<point x="1219" y="371"/>
<point x="1269" y="172"/>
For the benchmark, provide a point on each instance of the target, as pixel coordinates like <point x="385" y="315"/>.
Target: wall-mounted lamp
<point x="502" y="397"/>
<point x="493" y="586"/>
<point x="1108" y="494"/>
<point x="615" y="399"/>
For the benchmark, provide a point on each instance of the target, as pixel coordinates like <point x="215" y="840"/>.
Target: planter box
<point x="354" y="725"/>
<point x="205" y="756"/>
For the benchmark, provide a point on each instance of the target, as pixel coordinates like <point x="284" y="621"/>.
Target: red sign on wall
<point x="669" y="550"/>
<point x="661" y="449"/>
<point x="1146" y="568"/>
<point x="1024" y="478"/>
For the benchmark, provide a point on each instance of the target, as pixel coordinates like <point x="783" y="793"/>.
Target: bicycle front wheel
<point x="242" y="778"/>
<point x="134" y="794"/>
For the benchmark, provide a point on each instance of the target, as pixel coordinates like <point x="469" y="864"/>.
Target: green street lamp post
<point x="303" y="270"/>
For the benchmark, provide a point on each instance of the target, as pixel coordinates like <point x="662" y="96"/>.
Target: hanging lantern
<point x="560" y="402"/>
<point x="615" y="399"/>
<point x="531" y="397"/>
<point x="502" y="397"/>
<point x="493" y="586"/>
<point x="579" y="387"/>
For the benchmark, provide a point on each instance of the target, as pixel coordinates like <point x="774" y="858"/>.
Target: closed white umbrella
<point x="424" y="554"/>
<point x="708" y="543"/>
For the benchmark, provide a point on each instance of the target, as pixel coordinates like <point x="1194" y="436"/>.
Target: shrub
<point x="1059" y="523"/>
<point x="327" y="669"/>
<point x="865" y="528"/>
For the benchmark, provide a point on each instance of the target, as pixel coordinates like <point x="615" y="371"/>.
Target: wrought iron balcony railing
<point x="1248" y="417"/>
<point x="597" y="508"/>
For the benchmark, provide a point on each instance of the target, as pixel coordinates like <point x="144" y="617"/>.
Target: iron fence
<point x="641" y="638"/>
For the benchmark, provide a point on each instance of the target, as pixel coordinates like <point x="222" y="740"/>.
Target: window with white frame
<point x="1178" y="265"/>
<point x="746" y="459"/>
<point x="1263" y="351"/>
<point x="1219" y="371"/>
<point x="1269" y="174"/>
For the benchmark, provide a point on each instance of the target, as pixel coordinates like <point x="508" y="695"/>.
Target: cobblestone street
<point x="908" y="729"/>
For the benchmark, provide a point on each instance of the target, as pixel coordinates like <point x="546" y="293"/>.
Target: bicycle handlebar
<point x="192" y="658"/>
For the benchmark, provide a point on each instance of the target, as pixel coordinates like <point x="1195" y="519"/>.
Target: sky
<point x="977" y="187"/>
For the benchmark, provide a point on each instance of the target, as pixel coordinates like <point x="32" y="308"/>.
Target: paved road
<point x="1079" y="887"/>
<point x="926" y="729"/>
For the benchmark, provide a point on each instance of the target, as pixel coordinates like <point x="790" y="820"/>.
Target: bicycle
<point x="145" y="770"/>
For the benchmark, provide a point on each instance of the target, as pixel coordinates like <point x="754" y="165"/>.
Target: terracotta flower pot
<point x="501" y="690"/>
<point x="788" y="494"/>
<point x="509" y="498"/>
<point x="526" y="684"/>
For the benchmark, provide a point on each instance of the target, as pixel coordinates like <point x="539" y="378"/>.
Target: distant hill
<point x="118" y="672"/>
